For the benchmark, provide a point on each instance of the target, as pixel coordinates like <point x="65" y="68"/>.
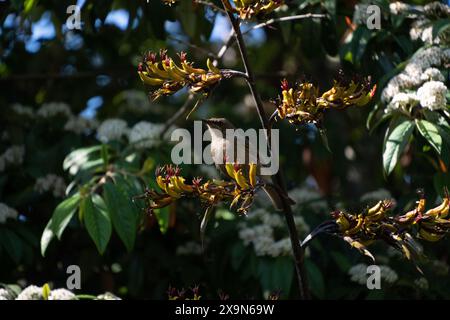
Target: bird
<point x="220" y="153"/>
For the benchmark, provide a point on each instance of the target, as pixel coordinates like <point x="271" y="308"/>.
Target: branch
<point x="278" y="178"/>
<point x="177" y="115"/>
<point x="193" y="46"/>
<point x="283" y="19"/>
<point x="231" y="39"/>
<point x="210" y="4"/>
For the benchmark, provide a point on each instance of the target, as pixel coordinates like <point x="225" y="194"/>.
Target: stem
<point x="230" y="39"/>
<point x="277" y="178"/>
<point x="180" y="112"/>
<point x="283" y="19"/>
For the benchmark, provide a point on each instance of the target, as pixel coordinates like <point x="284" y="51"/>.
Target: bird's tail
<point x="277" y="196"/>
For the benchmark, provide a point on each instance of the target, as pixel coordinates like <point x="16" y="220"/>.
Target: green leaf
<point x="439" y="26"/>
<point x="97" y="221"/>
<point x="77" y="158"/>
<point x="395" y="144"/>
<point x="431" y="133"/>
<point x="122" y="211"/>
<point x="59" y="221"/>
<point x="63" y="213"/>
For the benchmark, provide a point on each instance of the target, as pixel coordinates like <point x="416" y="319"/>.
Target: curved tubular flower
<point x="166" y="77"/>
<point x="250" y="8"/>
<point x="302" y="104"/>
<point x="400" y="231"/>
<point x="239" y="191"/>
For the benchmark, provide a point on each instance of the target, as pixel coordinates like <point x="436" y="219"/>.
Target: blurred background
<point x="62" y="89"/>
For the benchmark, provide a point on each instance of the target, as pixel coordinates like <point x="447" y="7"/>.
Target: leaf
<point x="395" y="144"/>
<point x="122" y="211"/>
<point x="431" y="133"/>
<point x="439" y="26"/>
<point x="46" y="238"/>
<point x="97" y="221"/>
<point x="77" y="158"/>
<point x="59" y="221"/>
<point x="63" y="213"/>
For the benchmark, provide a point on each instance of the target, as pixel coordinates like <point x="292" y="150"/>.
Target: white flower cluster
<point x="107" y="296"/>
<point x="79" y="125"/>
<point x="145" y="134"/>
<point x="12" y="155"/>
<point x="189" y="248"/>
<point x="422" y="283"/>
<point x="5" y="295"/>
<point x="22" y="110"/>
<point x="260" y="230"/>
<point x="398" y="7"/>
<point x="432" y="95"/>
<point x="422" y="28"/>
<point x="33" y="292"/>
<point x="52" y="109"/>
<point x="51" y="182"/>
<point x="358" y="273"/>
<point x="7" y="212"/>
<point x="61" y="294"/>
<point x="112" y="129"/>
<point x="420" y="81"/>
<point x="74" y="123"/>
<point x="309" y="197"/>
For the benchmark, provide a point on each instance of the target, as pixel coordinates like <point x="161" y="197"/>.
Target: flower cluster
<point x="53" y="183"/>
<point x="358" y="274"/>
<point x="166" y="77"/>
<point x="7" y="212"/>
<point x="143" y="134"/>
<point x="74" y="123"/>
<point x="422" y="27"/>
<point x="303" y="104"/>
<point x="250" y="8"/>
<point x="264" y="231"/>
<point x="33" y="292"/>
<point x="6" y="294"/>
<point x="189" y="248"/>
<point x="421" y="82"/>
<point x="240" y="191"/>
<point x="112" y="130"/>
<point x="13" y="155"/>
<point x="374" y="223"/>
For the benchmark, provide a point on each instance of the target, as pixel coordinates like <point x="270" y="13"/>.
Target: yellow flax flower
<point x="165" y="77"/>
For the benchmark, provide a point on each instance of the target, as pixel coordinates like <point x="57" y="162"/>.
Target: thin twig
<point x="228" y="42"/>
<point x="210" y="4"/>
<point x="231" y="39"/>
<point x="193" y="46"/>
<point x="283" y="19"/>
<point x="277" y="178"/>
<point x="177" y="115"/>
